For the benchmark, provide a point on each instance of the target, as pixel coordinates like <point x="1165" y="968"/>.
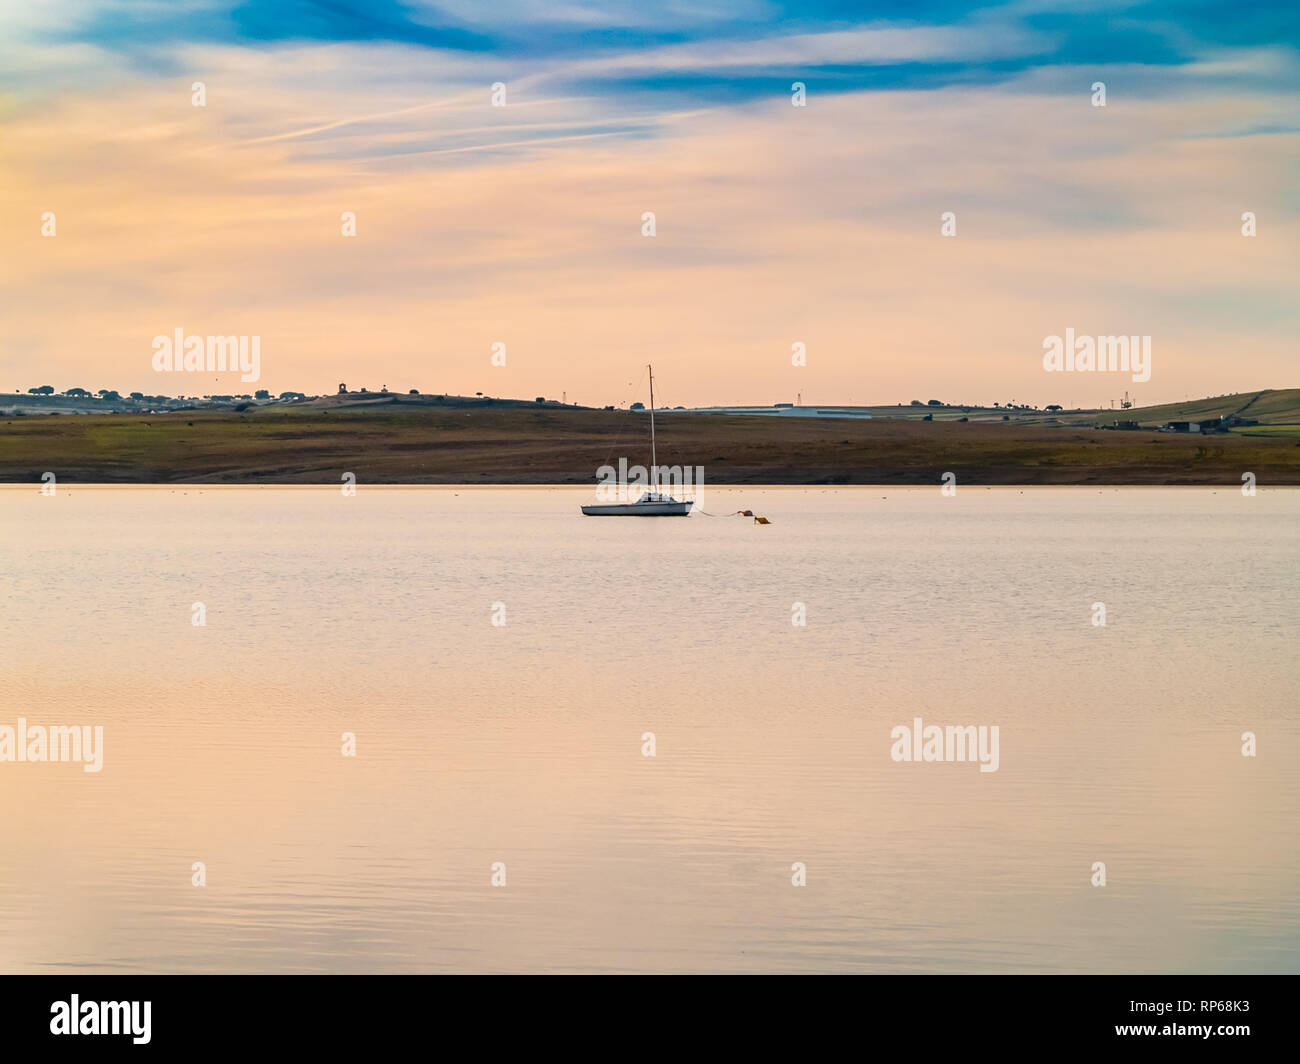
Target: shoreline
<point x="565" y="447"/>
<point x="19" y="486"/>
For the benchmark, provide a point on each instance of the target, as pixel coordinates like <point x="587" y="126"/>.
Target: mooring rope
<point x="739" y="513"/>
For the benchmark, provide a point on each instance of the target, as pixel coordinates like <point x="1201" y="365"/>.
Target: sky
<point x="520" y="221"/>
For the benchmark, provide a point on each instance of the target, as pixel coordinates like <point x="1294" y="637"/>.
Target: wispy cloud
<point x="522" y="223"/>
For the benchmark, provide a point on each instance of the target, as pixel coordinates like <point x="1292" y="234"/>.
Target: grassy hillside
<point x="526" y="445"/>
<point x="1273" y="406"/>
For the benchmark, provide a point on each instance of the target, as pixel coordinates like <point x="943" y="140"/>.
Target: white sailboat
<point x="653" y="503"/>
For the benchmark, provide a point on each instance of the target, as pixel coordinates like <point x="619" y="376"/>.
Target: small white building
<point x="782" y="410"/>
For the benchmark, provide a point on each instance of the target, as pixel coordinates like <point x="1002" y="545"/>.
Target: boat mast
<point x="654" y="462"/>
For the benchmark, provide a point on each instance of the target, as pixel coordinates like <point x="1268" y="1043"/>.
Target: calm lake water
<point x="522" y="743"/>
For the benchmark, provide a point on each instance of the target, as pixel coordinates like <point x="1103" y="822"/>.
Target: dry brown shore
<point x="521" y="445"/>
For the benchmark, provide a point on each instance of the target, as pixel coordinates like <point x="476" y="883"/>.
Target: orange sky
<point x="522" y="225"/>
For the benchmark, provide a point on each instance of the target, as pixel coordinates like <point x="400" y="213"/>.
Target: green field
<point x="1268" y="430"/>
<point x="414" y="444"/>
<point x="1274" y="406"/>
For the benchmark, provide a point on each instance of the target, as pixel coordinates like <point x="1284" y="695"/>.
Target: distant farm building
<point x="785" y="410"/>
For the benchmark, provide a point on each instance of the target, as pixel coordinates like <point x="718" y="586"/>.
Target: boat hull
<point x="639" y="509"/>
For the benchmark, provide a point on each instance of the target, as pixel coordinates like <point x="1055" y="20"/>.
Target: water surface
<point x="522" y="743"/>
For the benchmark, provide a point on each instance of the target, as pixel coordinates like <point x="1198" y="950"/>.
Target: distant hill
<point x="404" y="442"/>
<point x="1272" y="406"/>
<point x="23" y="404"/>
<point x="376" y="400"/>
